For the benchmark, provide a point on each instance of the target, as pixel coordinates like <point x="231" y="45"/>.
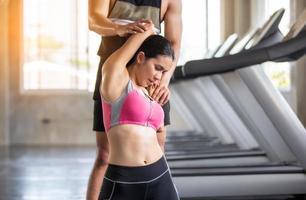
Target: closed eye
<point x="159" y="68"/>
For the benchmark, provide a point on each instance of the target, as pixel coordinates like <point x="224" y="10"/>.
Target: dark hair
<point x="153" y="46"/>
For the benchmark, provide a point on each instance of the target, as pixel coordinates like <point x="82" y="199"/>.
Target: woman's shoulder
<point x="113" y="94"/>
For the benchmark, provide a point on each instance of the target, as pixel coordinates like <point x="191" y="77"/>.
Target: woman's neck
<point x="132" y="73"/>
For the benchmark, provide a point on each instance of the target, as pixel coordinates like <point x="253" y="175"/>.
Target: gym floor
<point x="40" y="173"/>
<point x="53" y="173"/>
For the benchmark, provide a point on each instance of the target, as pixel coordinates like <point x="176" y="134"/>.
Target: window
<point x="201" y="28"/>
<point x="58" y="48"/>
<point x="213" y="24"/>
<point x="60" y="51"/>
<point x="279" y="73"/>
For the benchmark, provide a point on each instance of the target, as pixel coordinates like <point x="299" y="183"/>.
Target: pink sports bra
<point x="132" y="108"/>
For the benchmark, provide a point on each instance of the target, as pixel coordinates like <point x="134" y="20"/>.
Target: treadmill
<point x="193" y="141"/>
<point x="283" y="143"/>
<point x="201" y="106"/>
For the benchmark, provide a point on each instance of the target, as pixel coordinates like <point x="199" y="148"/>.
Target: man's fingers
<point x="156" y="92"/>
<point x="141" y="26"/>
<point x="160" y="93"/>
<point x="145" y="24"/>
<point x="137" y="29"/>
<point x="164" y="98"/>
<point x="144" y="21"/>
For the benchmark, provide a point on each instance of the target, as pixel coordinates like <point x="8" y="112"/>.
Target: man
<point x="105" y="18"/>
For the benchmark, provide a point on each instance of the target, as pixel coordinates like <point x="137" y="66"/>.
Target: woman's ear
<point x="141" y="57"/>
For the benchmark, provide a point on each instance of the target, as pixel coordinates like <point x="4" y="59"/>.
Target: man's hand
<point x="132" y="28"/>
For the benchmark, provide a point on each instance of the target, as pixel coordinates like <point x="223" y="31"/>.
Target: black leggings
<point x="151" y="182"/>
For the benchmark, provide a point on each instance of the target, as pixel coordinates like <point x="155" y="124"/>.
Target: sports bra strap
<point x="129" y="86"/>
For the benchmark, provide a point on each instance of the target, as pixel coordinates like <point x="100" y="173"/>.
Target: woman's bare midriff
<point x="133" y="145"/>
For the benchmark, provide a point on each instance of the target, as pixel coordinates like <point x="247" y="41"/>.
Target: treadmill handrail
<point x="204" y="67"/>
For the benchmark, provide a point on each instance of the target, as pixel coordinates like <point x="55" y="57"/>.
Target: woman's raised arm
<point x="114" y="72"/>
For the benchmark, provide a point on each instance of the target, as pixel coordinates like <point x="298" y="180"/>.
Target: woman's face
<point x="150" y="70"/>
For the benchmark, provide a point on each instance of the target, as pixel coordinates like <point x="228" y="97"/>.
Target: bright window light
<point x="59" y="51"/>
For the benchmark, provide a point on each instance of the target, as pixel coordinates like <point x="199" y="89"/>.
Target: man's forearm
<point x="161" y="138"/>
<point x="103" y="26"/>
<point x="167" y="76"/>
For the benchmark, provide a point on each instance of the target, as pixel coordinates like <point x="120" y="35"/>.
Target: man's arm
<point x="173" y="32"/>
<point x="98" y="22"/>
<point x="97" y="18"/>
<point x="161" y="137"/>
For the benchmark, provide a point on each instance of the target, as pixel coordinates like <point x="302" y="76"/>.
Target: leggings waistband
<point x="141" y="174"/>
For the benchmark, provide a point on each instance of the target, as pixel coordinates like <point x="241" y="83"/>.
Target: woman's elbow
<point x="92" y="22"/>
<point x="91" y="25"/>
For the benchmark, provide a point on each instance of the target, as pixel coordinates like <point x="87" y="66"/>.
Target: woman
<point x="137" y="168"/>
